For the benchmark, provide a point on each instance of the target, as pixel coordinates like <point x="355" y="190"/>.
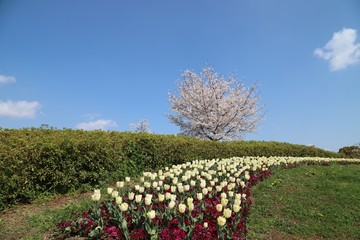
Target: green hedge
<point x="40" y="161"/>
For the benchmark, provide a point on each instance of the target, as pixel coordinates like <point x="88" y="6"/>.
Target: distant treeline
<point x="40" y="161"/>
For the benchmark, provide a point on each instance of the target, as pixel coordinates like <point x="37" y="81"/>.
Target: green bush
<point x="40" y="161"/>
<point x="350" y="151"/>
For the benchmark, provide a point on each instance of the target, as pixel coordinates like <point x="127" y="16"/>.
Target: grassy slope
<point x="308" y="202"/>
<point x="39" y="219"/>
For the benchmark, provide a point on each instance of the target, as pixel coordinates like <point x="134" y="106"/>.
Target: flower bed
<point x="207" y="199"/>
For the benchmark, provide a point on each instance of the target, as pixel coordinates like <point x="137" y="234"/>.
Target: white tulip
<point x="131" y="196"/>
<point x="124" y="207"/>
<point x="172" y="204"/>
<point x="138" y="198"/>
<point x="151" y="214"/>
<point x="118" y="200"/>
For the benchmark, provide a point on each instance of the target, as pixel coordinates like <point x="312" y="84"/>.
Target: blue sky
<point x="107" y="64"/>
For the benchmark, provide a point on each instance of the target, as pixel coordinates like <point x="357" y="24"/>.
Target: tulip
<point x="182" y="208"/>
<point x="148" y="200"/>
<point x="151" y="214"/>
<point x="191" y="206"/>
<point x="205" y="191"/>
<point x="138" y="198"/>
<point x="161" y="197"/>
<point x="131" y="195"/>
<point x="118" y="200"/>
<point x="221" y="221"/>
<point x="120" y="184"/>
<point x="167" y="195"/>
<point x="95" y="197"/>
<point x="227" y="212"/>
<point x="230" y="187"/>
<point x="236" y="208"/>
<point x="199" y="196"/>
<point x="147" y="184"/>
<point x="127" y="179"/>
<point x="224" y="201"/>
<point x="219" y="207"/>
<point x="172" y="204"/>
<point x="173" y="197"/>
<point x="114" y="194"/>
<point x="124" y="207"/>
<point x="109" y="190"/>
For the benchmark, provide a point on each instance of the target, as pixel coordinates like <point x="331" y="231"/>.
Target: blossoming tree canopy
<point x="208" y="106"/>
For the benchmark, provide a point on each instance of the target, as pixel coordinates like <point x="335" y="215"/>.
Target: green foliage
<point x="41" y="161"/>
<point x="350" y="151"/>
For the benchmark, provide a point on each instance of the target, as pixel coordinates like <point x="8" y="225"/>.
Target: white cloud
<point x="342" y="50"/>
<point x="7" y="79"/>
<point x="19" y="109"/>
<point x="102" y="124"/>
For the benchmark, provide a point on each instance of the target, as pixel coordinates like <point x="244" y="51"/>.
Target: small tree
<point x="141" y="127"/>
<point x="209" y="107"/>
<point x="351" y="151"/>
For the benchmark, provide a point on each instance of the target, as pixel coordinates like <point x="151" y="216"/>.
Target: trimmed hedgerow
<point x="38" y="161"/>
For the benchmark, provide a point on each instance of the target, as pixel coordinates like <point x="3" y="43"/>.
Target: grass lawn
<point x="308" y="202"/>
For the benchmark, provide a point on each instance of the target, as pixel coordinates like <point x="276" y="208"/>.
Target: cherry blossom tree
<point x="141" y="127"/>
<point x="208" y="106"/>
